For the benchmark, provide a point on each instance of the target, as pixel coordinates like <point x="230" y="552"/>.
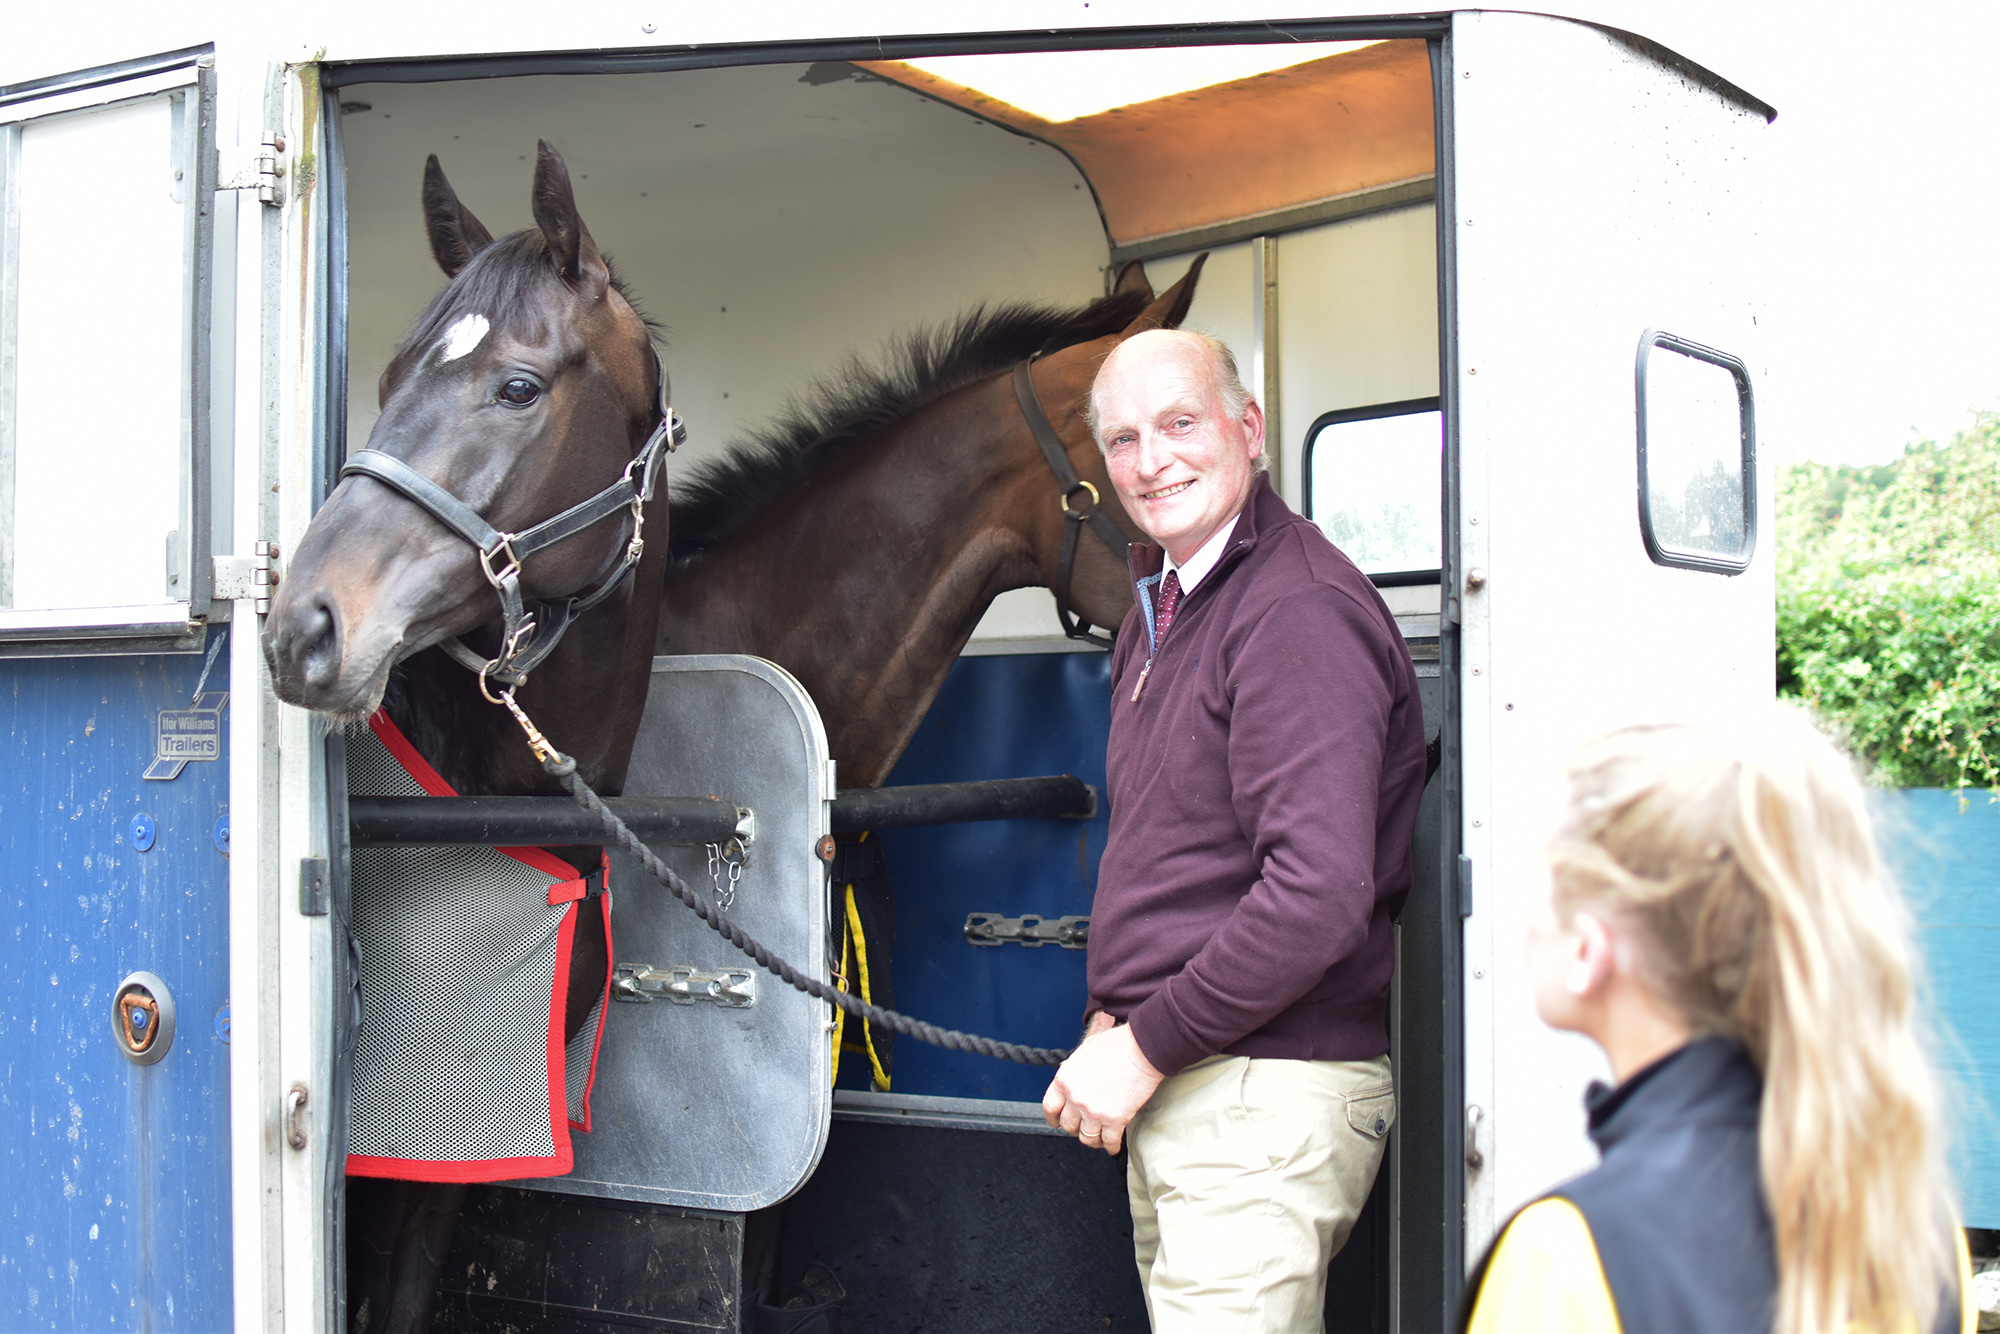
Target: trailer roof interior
<point x="1354" y="120"/>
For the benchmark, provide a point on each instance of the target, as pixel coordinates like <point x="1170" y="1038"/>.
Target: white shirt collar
<point x="1199" y="564"/>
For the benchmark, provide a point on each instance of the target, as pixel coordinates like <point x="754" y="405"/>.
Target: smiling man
<point x="1264" y="769"/>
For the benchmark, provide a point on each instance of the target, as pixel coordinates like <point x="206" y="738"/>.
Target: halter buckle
<point x="503" y="664"/>
<point x="642" y="488"/>
<point x="513" y="569"/>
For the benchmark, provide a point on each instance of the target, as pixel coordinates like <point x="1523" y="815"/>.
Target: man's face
<point x="1182" y="465"/>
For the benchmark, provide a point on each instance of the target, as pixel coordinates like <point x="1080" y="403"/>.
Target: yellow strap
<point x="861" y="963"/>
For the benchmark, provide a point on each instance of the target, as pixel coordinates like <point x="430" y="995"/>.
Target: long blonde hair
<point x="1746" y="868"/>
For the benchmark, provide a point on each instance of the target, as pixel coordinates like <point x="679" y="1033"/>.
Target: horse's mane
<point x="837" y="414"/>
<point x="497" y="284"/>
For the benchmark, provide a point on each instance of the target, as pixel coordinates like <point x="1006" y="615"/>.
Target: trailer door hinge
<point x="259" y="168"/>
<point x="239" y="577"/>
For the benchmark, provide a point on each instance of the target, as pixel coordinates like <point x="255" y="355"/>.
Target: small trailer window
<point x="1697" y="455"/>
<point x="1372" y="479"/>
<point x="99" y="222"/>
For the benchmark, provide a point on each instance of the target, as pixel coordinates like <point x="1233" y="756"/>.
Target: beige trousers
<point x="1245" y="1178"/>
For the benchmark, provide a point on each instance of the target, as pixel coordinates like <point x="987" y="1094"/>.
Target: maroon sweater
<point x="1263" y="790"/>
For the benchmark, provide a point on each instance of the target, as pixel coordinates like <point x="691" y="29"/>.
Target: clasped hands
<point x="1101" y="1087"/>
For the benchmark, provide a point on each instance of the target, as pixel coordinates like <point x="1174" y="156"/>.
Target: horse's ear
<point x="576" y="254"/>
<point x="1171" y="306"/>
<point x="456" y="236"/>
<point x="1132" y="278"/>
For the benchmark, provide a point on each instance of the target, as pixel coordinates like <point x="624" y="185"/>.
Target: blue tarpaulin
<point x="1949" y="863"/>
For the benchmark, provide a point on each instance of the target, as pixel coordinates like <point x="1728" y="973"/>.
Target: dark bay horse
<point x="858" y="542"/>
<point x="529" y="386"/>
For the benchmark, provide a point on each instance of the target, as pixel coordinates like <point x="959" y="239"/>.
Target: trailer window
<point x="98" y="234"/>
<point x="1697" y="455"/>
<point x="1372" y="483"/>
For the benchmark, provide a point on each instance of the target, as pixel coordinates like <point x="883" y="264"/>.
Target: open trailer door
<point x="161" y="998"/>
<point x="1601" y="236"/>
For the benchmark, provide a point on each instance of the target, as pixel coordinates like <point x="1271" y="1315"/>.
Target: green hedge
<point x="1889" y="607"/>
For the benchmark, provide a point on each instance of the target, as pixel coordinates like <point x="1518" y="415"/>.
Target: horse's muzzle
<point x="302" y="646"/>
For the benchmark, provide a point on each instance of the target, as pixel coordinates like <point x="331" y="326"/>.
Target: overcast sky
<point x="1885" y="292"/>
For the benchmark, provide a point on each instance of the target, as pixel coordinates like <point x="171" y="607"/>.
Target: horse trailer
<point x="1493" y="275"/>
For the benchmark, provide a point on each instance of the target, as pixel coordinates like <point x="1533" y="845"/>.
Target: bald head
<point x="1214" y="354"/>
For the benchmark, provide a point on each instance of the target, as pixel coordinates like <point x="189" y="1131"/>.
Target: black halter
<point x="1073" y="487"/>
<point x="528" y="636"/>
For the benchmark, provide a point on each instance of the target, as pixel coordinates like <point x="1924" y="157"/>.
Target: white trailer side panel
<point x="1598" y="192"/>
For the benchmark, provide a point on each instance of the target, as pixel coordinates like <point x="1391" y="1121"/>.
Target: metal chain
<point x="719" y="857"/>
<point x="563" y="769"/>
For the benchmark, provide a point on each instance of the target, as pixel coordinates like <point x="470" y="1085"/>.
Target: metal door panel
<point x="696" y="1105"/>
<point x="1601" y="188"/>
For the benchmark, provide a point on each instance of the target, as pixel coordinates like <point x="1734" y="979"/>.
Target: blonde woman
<point x="1720" y="924"/>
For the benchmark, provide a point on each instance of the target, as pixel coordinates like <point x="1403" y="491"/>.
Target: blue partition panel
<point x="115" y="1207"/>
<point x="1012" y="716"/>
<point x="1949" y="865"/>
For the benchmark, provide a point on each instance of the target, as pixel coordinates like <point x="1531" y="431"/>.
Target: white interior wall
<point x="1226" y="303"/>
<point x="1357" y="320"/>
<point x="774" y="226"/>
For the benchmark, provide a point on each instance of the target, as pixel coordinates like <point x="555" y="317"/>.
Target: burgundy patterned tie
<point x="1170" y="601"/>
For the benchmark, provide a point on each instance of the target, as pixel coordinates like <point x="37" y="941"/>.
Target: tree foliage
<point x="1889" y="607"/>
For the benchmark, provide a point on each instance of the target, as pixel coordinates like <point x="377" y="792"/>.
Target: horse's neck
<point x="867" y="584"/>
<point x="586" y="698"/>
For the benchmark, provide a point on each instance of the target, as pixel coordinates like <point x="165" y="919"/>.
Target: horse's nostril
<point x="319" y="645"/>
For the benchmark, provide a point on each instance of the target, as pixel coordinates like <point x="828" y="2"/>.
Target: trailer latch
<point x="731" y="988"/>
<point x="990" y="928"/>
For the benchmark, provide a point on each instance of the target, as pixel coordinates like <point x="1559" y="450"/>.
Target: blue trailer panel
<point x="977" y="729"/>
<point x="115" y="1208"/>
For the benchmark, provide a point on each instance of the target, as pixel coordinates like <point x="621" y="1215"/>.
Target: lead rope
<point x="563" y="769"/>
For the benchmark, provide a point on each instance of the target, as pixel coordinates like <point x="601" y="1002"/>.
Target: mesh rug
<point x="460" y="1069"/>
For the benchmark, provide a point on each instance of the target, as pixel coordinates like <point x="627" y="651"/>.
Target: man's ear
<point x="1596" y="956"/>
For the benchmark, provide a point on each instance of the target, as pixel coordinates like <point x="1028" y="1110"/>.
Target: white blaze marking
<point x="462" y="337"/>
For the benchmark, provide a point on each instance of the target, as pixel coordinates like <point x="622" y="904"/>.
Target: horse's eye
<point x="520" y="391"/>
